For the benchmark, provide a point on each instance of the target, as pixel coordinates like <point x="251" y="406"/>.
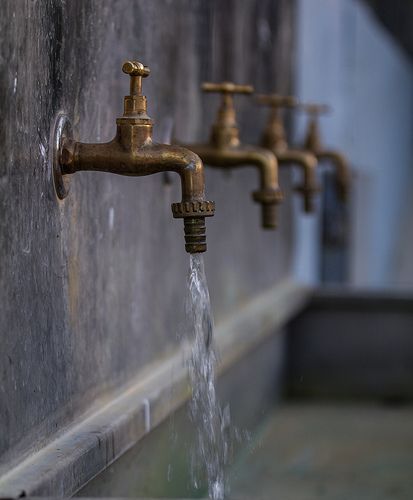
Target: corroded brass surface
<point x="274" y="138"/>
<point x="133" y="153"/>
<point x="225" y="150"/>
<point x="313" y="143"/>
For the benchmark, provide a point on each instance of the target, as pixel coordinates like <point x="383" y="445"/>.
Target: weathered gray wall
<point x="91" y="289"/>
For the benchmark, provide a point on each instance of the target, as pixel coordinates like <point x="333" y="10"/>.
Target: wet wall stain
<point x="91" y="288"/>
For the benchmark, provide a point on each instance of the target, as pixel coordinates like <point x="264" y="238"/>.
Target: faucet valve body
<point x="133" y="153"/>
<point x="225" y="150"/>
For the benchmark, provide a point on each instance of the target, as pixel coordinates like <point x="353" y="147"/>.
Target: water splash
<point x="210" y="453"/>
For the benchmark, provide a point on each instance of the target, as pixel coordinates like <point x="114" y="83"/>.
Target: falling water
<point x="210" y="452"/>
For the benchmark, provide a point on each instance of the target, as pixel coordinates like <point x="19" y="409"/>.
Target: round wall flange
<point x="62" y="131"/>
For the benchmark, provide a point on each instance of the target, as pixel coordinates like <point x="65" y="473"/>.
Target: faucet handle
<point x="136" y="71"/>
<point x="315" y="109"/>
<point x="277" y="101"/>
<point x="135" y="103"/>
<point x="227" y="88"/>
<point x="135" y="68"/>
<point x="225" y="131"/>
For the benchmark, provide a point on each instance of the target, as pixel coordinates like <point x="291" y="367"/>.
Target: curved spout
<point x="308" y="163"/>
<point x="343" y="178"/>
<point x="269" y="193"/>
<point x="313" y="144"/>
<point x="149" y="159"/>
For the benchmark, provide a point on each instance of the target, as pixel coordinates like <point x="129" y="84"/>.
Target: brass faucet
<point x="275" y="139"/>
<point x="224" y="150"/>
<point x="313" y="143"/>
<point x="133" y="153"/>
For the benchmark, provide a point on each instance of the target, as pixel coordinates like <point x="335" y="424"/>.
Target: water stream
<point x="210" y="451"/>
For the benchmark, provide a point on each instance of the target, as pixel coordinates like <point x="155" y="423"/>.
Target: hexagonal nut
<point x="193" y="209"/>
<point x="268" y="196"/>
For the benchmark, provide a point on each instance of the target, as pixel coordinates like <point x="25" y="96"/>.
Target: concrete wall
<point x="92" y="288"/>
<point x="346" y="58"/>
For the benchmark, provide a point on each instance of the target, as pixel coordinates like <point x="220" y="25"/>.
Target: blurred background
<point x="357" y="57"/>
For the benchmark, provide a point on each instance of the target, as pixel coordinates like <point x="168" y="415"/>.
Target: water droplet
<point x="111" y="218"/>
<point x="42" y="150"/>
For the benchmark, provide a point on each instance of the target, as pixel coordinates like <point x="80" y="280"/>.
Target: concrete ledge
<point x="352" y="344"/>
<point x="347" y="298"/>
<point x="90" y="445"/>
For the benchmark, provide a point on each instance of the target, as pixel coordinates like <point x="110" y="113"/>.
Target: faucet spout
<point x="307" y="163"/>
<point x="274" y="138"/>
<point x="269" y="194"/>
<point x="150" y="159"/>
<point x="337" y="159"/>
<point x="132" y="153"/>
<point x="342" y="168"/>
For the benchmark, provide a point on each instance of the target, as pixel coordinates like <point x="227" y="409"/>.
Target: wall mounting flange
<point x="61" y="132"/>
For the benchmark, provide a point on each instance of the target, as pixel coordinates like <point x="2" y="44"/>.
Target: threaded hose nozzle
<point x="195" y="234"/>
<point x="269" y="199"/>
<point x="308" y="193"/>
<point x="342" y="191"/>
<point x="308" y="203"/>
<point x="194" y="213"/>
<point x="269" y="215"/>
